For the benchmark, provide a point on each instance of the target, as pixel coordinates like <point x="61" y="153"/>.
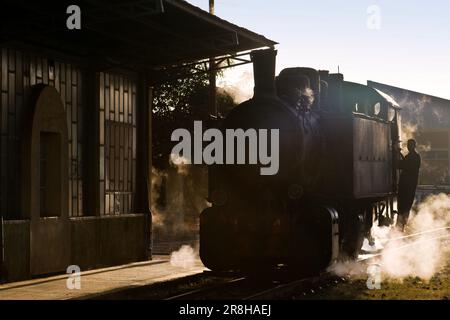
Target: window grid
<point x="117" y="144"/>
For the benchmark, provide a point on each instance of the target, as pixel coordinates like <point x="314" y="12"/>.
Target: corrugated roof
<point x="141" y="34"/>
<point x="262" y="40"/>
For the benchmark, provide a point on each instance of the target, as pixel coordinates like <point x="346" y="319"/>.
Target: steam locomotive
<point x="337" y="173"/>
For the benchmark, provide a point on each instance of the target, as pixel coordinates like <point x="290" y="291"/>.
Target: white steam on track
<point x="422" y="255"/>
<point x="416" y="253"/>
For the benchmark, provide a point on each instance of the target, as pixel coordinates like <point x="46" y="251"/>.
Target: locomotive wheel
<point x="353" y="238"/>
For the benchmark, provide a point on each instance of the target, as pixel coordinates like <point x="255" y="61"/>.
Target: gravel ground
<point x="411" y="288"/>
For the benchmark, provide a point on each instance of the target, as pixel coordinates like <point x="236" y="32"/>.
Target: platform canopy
<point x="138" y="34"/>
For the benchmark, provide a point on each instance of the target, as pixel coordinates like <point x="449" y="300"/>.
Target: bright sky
<point x="411" y="48"/>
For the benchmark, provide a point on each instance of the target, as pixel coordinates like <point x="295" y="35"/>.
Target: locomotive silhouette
<point x="338" y="147"/>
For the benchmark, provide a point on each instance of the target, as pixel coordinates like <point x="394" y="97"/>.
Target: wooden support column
<point x="212" y="76"/>
<point x="91" y="152"/>
<point x="212" y="90"/>
<point x="448" y="155"/>
<point x="143" y="161"/>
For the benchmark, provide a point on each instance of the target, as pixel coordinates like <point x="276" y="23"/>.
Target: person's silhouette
<point x="409" y="177"/>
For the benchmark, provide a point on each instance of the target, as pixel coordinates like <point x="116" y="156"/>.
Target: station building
<point x="75" y="123"/>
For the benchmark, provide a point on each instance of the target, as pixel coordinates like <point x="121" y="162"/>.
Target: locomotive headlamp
<point x="219" y="197"/>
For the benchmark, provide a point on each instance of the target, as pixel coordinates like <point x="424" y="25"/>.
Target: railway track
<point x="254" y="288"/>
<point x="302" y="286"/>
<point x="204" y="292"/>
<point x="437" y="231"/>
<point x="411" y="240"/>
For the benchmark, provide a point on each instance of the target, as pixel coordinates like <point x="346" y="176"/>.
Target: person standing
<point x="409" y="177"/>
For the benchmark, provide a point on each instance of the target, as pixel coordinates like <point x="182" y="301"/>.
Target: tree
<point x="177" y="104"/>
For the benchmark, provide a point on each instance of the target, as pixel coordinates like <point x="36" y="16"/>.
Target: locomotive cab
<point x="361" y="132"/>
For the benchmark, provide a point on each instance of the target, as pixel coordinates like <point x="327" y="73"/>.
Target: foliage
<point x="177" y="104"/>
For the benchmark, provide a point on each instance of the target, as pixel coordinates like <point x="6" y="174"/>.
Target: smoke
<point x="423" y="255"/>
<point x="348" y="268"/>
<point x="185" y="257"/>
<point x="431" y="172"/>
<point x="404" y="255"/>
<point x="240" y="87"/>
<point x="413" y="108"/>
<point x="413" y="111"/>
<point x="156" y="182"/>
<point x="433" y="212"/>
<point x="307" y="98"/>
<point x="441" y="116"/>
<point x="180" y="163"/>
<point x="408" y="131"/>
<point x="413" y="122"/>
<point x="178" y="196"/>
<point x="436" y="174"/>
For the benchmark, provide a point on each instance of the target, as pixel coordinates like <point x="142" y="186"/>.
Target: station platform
<point x="97" y="282"/>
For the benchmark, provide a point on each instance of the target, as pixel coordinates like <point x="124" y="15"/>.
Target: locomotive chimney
<point x="264" y="72"/>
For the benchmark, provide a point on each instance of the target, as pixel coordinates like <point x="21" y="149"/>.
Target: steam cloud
<point x="180" y="163"/>
<point x="185" y="257"/>
<point x="412" y="116"/>
<point x="414" y="108"/>
<point x="241" y="89"/>
<point x="429" y="256"/>
<point x="414" y="111"/>
<point x="178" y="196"/>
<point x="402" y="256"/>
<point x="307" y="97"/>
<point x="156" y="181"/>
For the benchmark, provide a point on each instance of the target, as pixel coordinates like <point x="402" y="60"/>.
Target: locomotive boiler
<point x="337" y="160"/>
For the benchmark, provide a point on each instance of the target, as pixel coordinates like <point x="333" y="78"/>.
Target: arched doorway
<point x="46" y="182"/>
